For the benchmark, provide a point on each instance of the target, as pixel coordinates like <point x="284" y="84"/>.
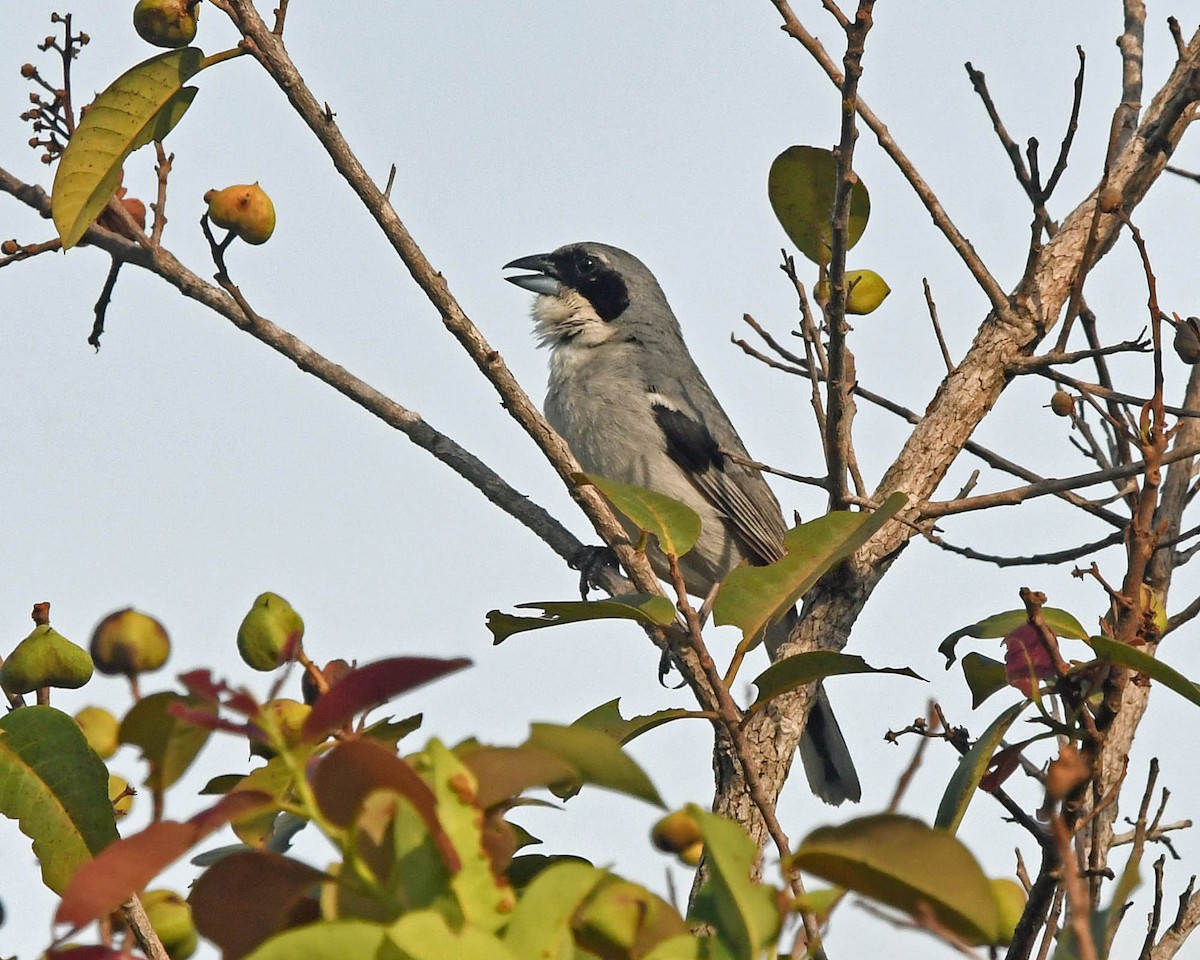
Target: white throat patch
<point x="569" y="318"/>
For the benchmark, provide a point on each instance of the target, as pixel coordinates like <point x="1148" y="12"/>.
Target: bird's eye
<point x="587" y="265"/>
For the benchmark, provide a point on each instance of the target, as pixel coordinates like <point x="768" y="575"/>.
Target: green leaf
<point x="905" y="864"/>
<point x="326" y="940"/>
<point x="972" y="765"/>
<point x="801" y="186"/>
<point x="56" y="788"/>
<point x="984" y="677"/>
<point x="541" y="924"/>
<point x="643" y="607"/>
<point x="167" y="743"/>
<point x="485" y="901"/>
<point x="1142" y="662"/>
<point x="675" y="525"/>
<point x="744" y="914"/>
<point x="802" y="669"/>
<point x="425" y="935"/>
<point x="1002" y="624"/>
<point x="753" y="597"/>
<point x="141" y="105"/>
<point x="677" y="948"/>
<point x="598" y="758"/>
<point x="607" y="719"/>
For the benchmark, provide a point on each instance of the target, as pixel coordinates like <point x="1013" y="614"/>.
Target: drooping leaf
<point x="1000" y="624"/>
<point x="744" y="914"/>
<point x="485" y="900"/>
<point x="644" y="607"/>
<point x="984" y="677"/>
<point x="972" y="765"/>
<point x="56" y="788"/>
<point x="125" y="866"/>
<point x="371" y="685"/>
<point x="141" y="105"/>
<point x="246" y="898"/>
<point x="905" y="864"/>
<point x="804" y="668"/>
<point x="675" y="525"/>
<point x="753" y="597"/>
<point x="802" y="186"/>
<point x="623" y="919"/>
<point x="276" y="780"/>
<point x="607" y="719"/>
<point x="167" y="743"/>
<point x="1142" y="662"/>
<point x="597" y="757"/>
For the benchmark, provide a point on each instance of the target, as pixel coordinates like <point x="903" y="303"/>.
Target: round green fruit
<point x="166" y="23"/>
<point x="45" y="658"/>
<point x="171" y="917"/>
<point x="270" y="634"/>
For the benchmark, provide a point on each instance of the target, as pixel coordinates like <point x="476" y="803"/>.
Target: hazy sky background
<point x="186" y="467"/>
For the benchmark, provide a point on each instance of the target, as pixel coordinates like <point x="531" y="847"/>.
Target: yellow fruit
<point x="270" y="633"/>
<point x="45" y="658"/>
<point x="678" y="833"/>
<point x="171" y="917"/>
<point x="243" y="208"/>
<point x="101" y="730"/>
<point x="865" y="291"/>
<point x="128" y="642"/>
<point x="121" y="800"/>
<point x="166" y="23"/>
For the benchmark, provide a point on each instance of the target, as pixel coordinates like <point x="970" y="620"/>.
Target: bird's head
<point x="589" y="293"/>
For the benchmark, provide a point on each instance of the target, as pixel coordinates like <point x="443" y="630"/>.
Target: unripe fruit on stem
<point x="171" y="917"/>
<point x="45" y="658"/>
<point x="243" y="208"/>
<point x="1062" y="403"/>
<point x="282" y="717"/>
<point x="270" y="633"/>
<point x="100" y="729"/>
<point x="166" y="23"/>
<point x="678" y="833"/>
<point x="119" y="795"/>
<point x="128" y="642"/>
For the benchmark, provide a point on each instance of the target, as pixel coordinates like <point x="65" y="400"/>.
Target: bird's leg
<point x="590" y="561"/>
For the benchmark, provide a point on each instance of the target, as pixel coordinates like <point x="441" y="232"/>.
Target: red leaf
<point x="345" y="776"/>
<point x="1002" y="766"/>
<point x="1026" y="658"/>
<point x="244" y="898"/>
<point x="125" y="866"/>
<point x="369" y="686"/>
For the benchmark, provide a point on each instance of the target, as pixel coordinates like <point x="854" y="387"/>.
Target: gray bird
<point x="633" y="406"/>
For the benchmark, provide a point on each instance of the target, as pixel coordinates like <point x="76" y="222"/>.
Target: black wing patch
<point x="689" y="442"/>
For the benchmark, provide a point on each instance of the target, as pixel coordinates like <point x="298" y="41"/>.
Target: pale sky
<point x="187" y="468"/>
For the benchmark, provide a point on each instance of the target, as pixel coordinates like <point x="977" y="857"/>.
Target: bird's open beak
<point x="541" y="281"/>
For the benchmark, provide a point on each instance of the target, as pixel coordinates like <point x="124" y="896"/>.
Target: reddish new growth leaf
<point x="125" y="866"/>
<point x="1026" y="658"/>
<point x="245" y="898"/>
<point x="200" y="684"/>
<point x="345" y="776"/>
<point x="1001" y="767"/>
<point x="204" y="717"/>
<point x="369" y="686"/>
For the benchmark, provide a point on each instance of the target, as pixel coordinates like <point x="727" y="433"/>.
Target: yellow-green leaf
<point x="644" y="607"/>
<point x="1002" y="624"/>
<point x="56" y="788"/>
<point x="984" y="676"/>
<point x="675" y="525"/>
<point x="752" y="597"/>
<point x="1142" y="662"/>
<point x="801" y="186"/>
<point x="141" y="105"/>
<point x="905" y="864"/>
<point x="598" y="758"/>
<point x="167" y="743"/>
<point x="803" y="668"/>
<point x="972" y="765"/>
